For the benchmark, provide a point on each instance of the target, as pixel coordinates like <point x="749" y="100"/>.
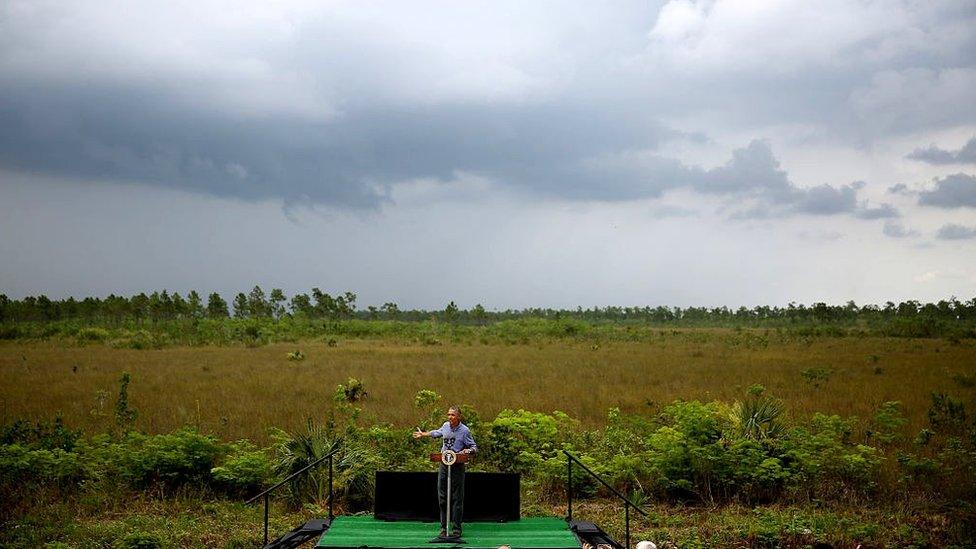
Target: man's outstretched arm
<point x="436" y="433"/>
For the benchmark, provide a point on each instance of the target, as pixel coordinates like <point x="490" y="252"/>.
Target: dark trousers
<point x="457" y="495"/>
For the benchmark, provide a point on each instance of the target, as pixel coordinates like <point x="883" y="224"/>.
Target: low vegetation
<point x="735" y="455"/>
<point x="771" y="432"/>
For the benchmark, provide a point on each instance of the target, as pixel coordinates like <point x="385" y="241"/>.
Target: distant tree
<point x="325" y="305"/>
<point x="216" y="306"/>
<point x="179" y="307"/>
<point x="68" y="308"/>
<point x="240" y="306"/>
<point x="165" y="304"/>
<point x="257" y="303"/>
<point x="451" y="312"/>
<point x="156" y="305"/>
<point x="391" y="309"/>
<point x="277" y="303"/>
<point x="46" y="308"/>
<point x="139" y="305"/>
<point x="345" y="304"/>
<point x="194" y="304"/>
<point x="478" y="313"/>
<point x="373" y="312"/>
<point x="301" y="304"/>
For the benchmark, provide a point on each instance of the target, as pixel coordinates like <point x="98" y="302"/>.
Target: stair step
<point x="299" y="535"/>
<point x="591" y="533"/>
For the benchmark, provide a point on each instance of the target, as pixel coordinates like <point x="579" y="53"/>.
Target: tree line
<point x="164" y="305"/>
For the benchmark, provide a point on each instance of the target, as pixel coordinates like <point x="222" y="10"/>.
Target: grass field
<point x="239" y="392"/>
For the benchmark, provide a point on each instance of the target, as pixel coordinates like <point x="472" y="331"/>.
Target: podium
<point x="438" y="457"/>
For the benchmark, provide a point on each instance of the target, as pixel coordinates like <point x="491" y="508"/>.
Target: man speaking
<point x="457" y="437"/>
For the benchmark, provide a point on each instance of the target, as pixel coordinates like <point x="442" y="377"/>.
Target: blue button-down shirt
<point x="455" y="439"/>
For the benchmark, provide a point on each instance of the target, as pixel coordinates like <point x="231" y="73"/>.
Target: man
<point x="456" y="437"/>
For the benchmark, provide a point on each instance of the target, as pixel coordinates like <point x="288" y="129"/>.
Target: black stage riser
<point x="488" y="497"/>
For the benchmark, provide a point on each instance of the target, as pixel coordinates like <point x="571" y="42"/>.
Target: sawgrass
<point x="240" y="392"/>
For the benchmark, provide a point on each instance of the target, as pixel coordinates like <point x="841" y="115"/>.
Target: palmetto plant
<point x="295" y="451"/>
<point x="758" y="418"/>
<point x="354" y="466"/>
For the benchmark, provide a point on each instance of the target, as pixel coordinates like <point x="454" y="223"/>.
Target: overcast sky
<point x="514" y="154"/>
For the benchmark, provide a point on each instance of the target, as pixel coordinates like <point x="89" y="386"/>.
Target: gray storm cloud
<point x="353" y="158"/>
<point x="952" y="191"/>
<point x="348" y="160"/>
<point x="894" y="229"/>
<point x="955" y="231"/>
<point x="334" y="104"/>
<point x="938" y="156"/>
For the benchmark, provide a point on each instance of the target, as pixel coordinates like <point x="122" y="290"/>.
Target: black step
<point x="591" y="533"/>
<point x="299" y="535"/>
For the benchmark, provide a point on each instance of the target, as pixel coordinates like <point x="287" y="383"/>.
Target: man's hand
<point x="418" y="433"/>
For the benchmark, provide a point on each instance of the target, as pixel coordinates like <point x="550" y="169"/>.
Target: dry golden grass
<point x="238" y="392"/>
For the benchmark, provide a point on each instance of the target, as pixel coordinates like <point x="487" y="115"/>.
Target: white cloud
<point x="941" y="274"/>
<point x="784" y="36"/>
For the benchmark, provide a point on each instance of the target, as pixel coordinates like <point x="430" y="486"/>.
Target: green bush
<point x="689" y="451"/>
<point x="887" y="423"/>
<point x="946" y="412"/>
<point x="825" y="463"/>
<point x="185" y="456"/>
<point x="92" y="335"/>
<point x="40" y="434"/>
<point x="245" y="471"/>
<point x="11" y="331"/>
<point x="520" y="441"/>
<point x="140" y="340"/>
<point x="19" y="465"/>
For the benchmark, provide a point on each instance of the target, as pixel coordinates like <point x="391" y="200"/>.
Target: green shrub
<point x="92" y="335"/>
<point x="755" y="474"/>
<point x="825" y="463"/>
<point x="185" y="456"/>
<point x="816" y="376"/>
<point x="887" y="423"/>
<point x="520" y="441"/>
<point x="946" y="412"/>
<point x="696" y="421"/>
<point x="351" y="391"/>
<point x="40" y="434"/>
<point x="19" y="465"/>
<point x="245" y="470"/>
<point x="689" y="451"/>
<point x="139" y="340"/>
<point x="11" y="331"/>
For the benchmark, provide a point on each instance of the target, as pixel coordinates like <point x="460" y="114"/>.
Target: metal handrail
<point x="266" y="494"/>
<point x="570" y="458"/>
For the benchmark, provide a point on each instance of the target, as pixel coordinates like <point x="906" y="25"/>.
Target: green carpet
<point x="528" y="533"/>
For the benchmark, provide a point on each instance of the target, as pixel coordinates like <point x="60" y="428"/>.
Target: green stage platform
<point x="527" y="533"/>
